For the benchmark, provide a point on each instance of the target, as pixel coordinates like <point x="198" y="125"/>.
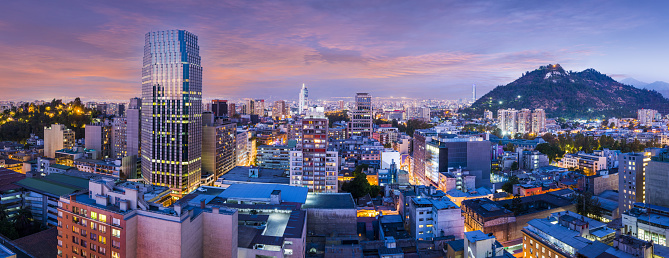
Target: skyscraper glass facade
<point x="171" y="110"/>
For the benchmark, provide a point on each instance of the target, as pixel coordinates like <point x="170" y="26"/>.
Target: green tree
<point x="24" y="222"/>
<point x="508" y="185"/>
<point x="414" y="124"/>
<point x="358" y="186"/>
<point x="336" y="116"/>
<point x="588" y="205"/>
<point x="514" y="166"/>
<point x="517" y="205"/>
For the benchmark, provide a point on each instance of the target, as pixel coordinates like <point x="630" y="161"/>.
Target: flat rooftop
<point x="55" y="184"/>
<point x="269" y="176"/>
<point x="475" y="236"/>
<point x="329" y="201"/>
<point x="295" y="194"/>
<point x="8" y="178"/>
<point x="558" y="233"/>
<point x="486" y="207"/>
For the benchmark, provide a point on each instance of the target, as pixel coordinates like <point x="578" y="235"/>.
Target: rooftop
<point x="295" y="194"/>
<point x="329" y="201"/>
<point x="8" y="179"/>
<point x="558" y="233"/>
<point x="40" y="244"/>
<point x="457" y="245"/>
<point x="486" y="208"/>
<point x="437" y="204"/>
<point x="562" y="192"/>
<point x="475" y="236"/>
<point x="55" y="184"/>
<point x="265" y="175"/>
<point x="481" y="191"/>
<point x="63" y="167"/>
<point x="553" y="200"/>
<point x="593" y="250"/>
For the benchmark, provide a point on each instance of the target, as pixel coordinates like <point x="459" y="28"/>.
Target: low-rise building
<point x="329" y="213"/>
<point x="41" y="194"/>
<point x="562" y="235"/>
<point x="429" y="218"/>
<point x="104" y="167"/>
<point x="11" y="194"/>
<point x="486" y="216"/>
<point x="647" y="222"/>
<point x="253" y="175"/>
<point x="604" y="180"/>
<point x="479" y="244"/>
<point x="589" y="164"/>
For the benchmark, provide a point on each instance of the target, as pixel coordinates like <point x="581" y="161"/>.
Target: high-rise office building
<point x="657" y="180"/>
<point x="312" y="165"/>
<point x="232" y="110"/>
<point x="361" y="116"/>
<point x="249" y="108"/>
<point x="631" y="176"/>
<point x="133" y="119"/>
<point x="280" y="109"/>
<point x="119" y="138"/>
<point x="435" y="152"/>
<point x="172" y="110"/>
<point x="57" y="137"/>
<point x="218" y="145"/>
<point x="303" y="100"/>
<point x="219" y="107"/>
<point x="99" y="138"/>
<point x="259" y="107"/>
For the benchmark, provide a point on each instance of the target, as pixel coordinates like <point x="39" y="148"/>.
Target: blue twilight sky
<point x="267" y="49"/>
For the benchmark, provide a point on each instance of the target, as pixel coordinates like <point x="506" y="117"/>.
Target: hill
<point x="585" y="94"/>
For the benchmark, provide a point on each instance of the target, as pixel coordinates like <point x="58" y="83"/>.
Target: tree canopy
<point x="17" y="123"/>
<point x="359" y="186"/>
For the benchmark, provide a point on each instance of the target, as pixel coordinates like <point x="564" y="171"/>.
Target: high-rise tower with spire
<point x="304" y="99"/>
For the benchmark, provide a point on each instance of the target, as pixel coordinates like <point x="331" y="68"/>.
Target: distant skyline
<point x="267" y="49"/>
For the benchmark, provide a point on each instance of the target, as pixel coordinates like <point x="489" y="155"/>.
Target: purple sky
<point x="267" y="49"/>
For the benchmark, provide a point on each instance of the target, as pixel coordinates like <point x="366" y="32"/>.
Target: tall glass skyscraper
<point x="304" y="100"/>
<point x="172" y="110"/>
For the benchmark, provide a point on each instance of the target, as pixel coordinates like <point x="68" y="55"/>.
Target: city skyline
<point x="65" y="50"/>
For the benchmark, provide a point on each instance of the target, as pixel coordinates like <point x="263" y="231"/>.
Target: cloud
<point x="266" y="49"/>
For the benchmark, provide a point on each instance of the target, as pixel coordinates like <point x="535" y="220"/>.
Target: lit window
<point x="94" y="215"/>
<point x="116" y="233"/>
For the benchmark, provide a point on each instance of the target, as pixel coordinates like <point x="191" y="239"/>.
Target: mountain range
<point x="659" y="86"/>
<point x="568" y="94"/>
